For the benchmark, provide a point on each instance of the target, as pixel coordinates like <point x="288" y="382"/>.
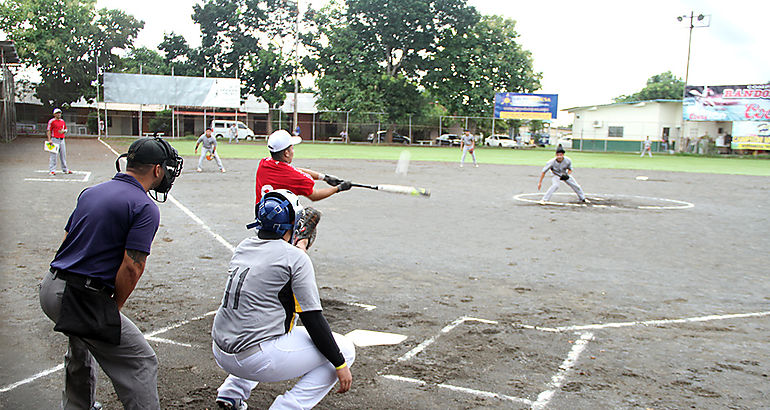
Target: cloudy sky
<point x="588" y="51"/>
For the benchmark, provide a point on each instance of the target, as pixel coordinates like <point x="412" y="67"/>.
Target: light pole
<point x="701" y="20"/>
<point x="296" y="68"/>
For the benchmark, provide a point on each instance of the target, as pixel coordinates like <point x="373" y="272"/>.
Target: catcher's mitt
<point x="209" y="156"/>
<point x="306" y="228"/>
<point x="564" y="177"/>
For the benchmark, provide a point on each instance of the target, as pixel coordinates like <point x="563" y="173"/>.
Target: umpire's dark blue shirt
<point x="109" y="218"/>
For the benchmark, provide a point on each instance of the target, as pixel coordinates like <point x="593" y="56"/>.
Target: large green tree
<point x="474" y="63"/>
<point x="62" y="39"/>
<point x="371" y="57"/>
<point x="664" y="86"/>
<point x="251" y="39"/>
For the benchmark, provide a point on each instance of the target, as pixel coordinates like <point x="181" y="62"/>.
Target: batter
<point x="255" y="337"/>
<point x="561" y="167"/>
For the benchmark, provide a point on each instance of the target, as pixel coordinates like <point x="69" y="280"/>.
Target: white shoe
<point x="541" y="202"/>
<point x="223" y="170"/>
<point x="461" y="165"/>
<point x="476" y="165"/>
<point x="199" y="170"/>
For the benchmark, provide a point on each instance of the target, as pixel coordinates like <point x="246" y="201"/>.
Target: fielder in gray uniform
<point x="468" y="144"/>
<point x="255" y="337"/>
<point x="561" y="167"/>
<point x="209" y="148"/>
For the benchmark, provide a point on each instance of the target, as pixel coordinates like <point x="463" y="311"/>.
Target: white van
<point x="221" y="129"/>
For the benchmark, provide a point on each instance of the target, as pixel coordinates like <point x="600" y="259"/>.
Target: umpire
<point x="97" y="266"/>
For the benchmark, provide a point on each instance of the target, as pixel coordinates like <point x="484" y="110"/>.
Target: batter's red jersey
<point x="272" y="174"/>
<point x="56" y="127"/>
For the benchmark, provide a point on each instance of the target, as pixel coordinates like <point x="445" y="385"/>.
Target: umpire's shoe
<point x="231" y="404"/>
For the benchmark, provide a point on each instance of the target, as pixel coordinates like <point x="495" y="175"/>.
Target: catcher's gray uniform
<point x="254" y="333"/>
<point x="559" y="169"/>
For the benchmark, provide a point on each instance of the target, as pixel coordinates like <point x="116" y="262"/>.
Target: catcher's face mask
<point x="156" y="151"/>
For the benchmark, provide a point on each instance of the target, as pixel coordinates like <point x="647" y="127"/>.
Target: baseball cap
<point x="280" y="140"/>
<point x="57" y="110"/>
<point x="146" y="151"/>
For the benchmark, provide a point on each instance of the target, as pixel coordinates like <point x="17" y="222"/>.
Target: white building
<point x="624" y="126"/>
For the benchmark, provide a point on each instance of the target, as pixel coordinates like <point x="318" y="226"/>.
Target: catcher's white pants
<point x="203" y="157"/>
<point x="555" y="185"/>
<point x="465" y="151"/>
<point x="283" y="358"/>
<point x="62" y="155"/>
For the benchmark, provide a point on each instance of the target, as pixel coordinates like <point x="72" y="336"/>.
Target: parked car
<point x="565" y="141"/>
<point x="221" y="128"/>
<point x="448" y="139"/>
<point x="500" y="140"/>
<point x="541" y="140"/>
<point x="397" y="138"/>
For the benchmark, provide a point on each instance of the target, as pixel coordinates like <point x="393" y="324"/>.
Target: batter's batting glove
<point x="564" y="177"/>
<point x="332" y="180"/>
<point x="306" y="228"/>
<point x="344" y="186"/>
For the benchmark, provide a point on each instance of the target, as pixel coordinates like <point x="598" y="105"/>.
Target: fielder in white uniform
<point x="255" y="337"/>
<point x="561" y="167"/>
<point x="647" y="147"/>
<point x="468" y="144"/>
<point x="209" y="147"/>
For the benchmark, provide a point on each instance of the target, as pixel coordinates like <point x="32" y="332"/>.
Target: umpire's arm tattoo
<point x="138" y="257"/>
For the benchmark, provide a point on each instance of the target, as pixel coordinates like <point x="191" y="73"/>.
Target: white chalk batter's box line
<point x="56" y="178"/>
<point x="557" y="380"/>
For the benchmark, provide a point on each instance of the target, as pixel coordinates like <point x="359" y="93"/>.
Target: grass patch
<point x="503" y="156"/>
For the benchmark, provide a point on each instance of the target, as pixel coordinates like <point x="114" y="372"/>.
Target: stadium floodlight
<point x="701" y="20"/>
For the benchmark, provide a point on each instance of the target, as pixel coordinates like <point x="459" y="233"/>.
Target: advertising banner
<point x="751" y="135"/>
<point x="168" y="90"/>
<point x="727" y="103"/>
<point x="515" y="106"/>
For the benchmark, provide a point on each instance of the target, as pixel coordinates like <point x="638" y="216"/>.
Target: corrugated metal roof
<point x="9" y="54"/>
<point x="621" y="103"/>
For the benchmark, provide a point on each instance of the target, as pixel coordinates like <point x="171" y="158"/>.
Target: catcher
<point x="561" y="167"/>
<point x="468" y="145"/>
<point x="255" y="338"/>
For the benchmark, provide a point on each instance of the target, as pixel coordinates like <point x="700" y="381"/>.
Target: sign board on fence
<point x="727" y="103"/>
<point x="751" y="135"/>
<point x="515" y="106"/>
<point x="172" y="90"/>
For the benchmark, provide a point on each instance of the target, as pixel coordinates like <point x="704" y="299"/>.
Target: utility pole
<point x="296" y="69"/>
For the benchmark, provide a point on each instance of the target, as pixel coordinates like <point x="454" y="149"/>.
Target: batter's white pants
<point x="555" y="185"/>
<point x="465" y="151"/>
<point x="62" y="155"/>
<point x="283" y="358"/>
<point x="203" y="157"/>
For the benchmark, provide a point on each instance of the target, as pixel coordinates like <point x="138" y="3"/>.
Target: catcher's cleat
<point x="52" y="173"/>
<point x="231" y="404"/>
<point x="306" y="227"/>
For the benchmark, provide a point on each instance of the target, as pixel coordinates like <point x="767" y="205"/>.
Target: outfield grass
<point x="485" y="155"/>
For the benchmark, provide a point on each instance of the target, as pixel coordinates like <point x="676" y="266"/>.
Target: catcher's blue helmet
<point x="278" y="211"/>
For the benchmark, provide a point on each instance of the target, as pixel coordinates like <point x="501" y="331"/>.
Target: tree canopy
<point x="665" y="86"/>
<point x="62" y="39"/>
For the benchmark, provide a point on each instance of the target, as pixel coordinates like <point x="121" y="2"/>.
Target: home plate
<point x="363" y="338"/>
<point x="642" y="178"/>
